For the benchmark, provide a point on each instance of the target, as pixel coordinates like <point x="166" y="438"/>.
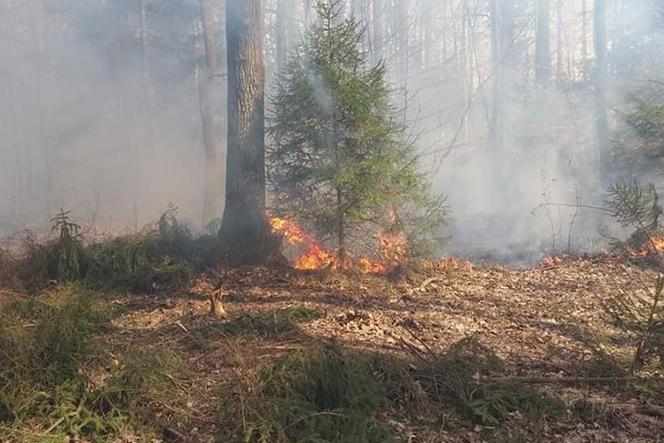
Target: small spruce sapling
<point x="340" y="161"/>
<point x="636" y="206"/>
<point x="639" y="313"/>
<point x="66" y="258"/>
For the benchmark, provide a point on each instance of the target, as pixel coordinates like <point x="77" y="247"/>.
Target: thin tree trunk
<point x="308" y="5"/>
<point x="146" y="141"/>
<point x="601" y="111"/>
<point x="41" y="101"/>
<point x="283" y="10"/>
<point x="244" y="227"/>
<point x="427" y="13"/>
<point x="497" y="55"/>
<point x="584" y="31"/>
<point x="212" y="134"/>
<point x="378" y="30"/>
<point x="341" y="229"/>
<point x="403" y="40"/>
<point x="543" y="44"/>
<point x="559" y="39"/>
<point x="465" y="68"/>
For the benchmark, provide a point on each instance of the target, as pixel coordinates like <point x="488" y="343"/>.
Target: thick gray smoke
<point x="98" y="117"/>
<point x="101" y="113"/>
<point x="519" y="202"/>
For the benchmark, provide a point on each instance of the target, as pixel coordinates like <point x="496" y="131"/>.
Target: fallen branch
<point x="54" y="425"/>
<point x="418" y="339"/>
<point x="181" y="326"/>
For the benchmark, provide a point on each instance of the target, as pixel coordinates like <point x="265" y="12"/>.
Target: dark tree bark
<point x="601" y="112"/>
<point x="244" y="229"/>
<point x="212" y="133"/>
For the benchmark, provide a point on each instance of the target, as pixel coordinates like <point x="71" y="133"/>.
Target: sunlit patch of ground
<point x="542" y="322"/>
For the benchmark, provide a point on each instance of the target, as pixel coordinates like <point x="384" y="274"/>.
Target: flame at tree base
<point x="393" y="250"/>
<point x="653" y="245"/>
<point x="392" y="247"/>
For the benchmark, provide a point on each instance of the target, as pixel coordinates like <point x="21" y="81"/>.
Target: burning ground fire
<point x="654" y="245"/>
<point x="393" y="250"/>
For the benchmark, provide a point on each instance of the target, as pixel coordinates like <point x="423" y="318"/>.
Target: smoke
<point x="97" y="120"/>
<point x="522" y="200"/>
<point x="99" y="113"/>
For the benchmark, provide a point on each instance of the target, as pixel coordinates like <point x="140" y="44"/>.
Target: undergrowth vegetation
<point x="321" y="394"/>
<point x="327" y="393"/>
<point x="264" y="324"/>
<point x="461" y="379"/>
<point x="49" y="347"/>
<point x="162" y="257"/>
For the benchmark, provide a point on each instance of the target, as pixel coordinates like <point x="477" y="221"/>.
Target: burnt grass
<point x="455" y="355"/>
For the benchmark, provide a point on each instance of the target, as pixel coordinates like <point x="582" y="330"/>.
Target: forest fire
<point x="654" y="245"/>
<point x="392" y="248"/>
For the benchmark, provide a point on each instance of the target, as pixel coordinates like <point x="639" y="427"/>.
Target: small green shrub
<point x="53" y="330"/>
<point x="173" y="239"/>
<point x="120" y="263"/>
<point x="321" y="394"/>
<point x="66" y="259"/>
<point x="456" y="379"/>
<point x="45" y="342"/>
<point x="641" y="314"/>
<point x="47" y="346"/>
<point x="9" y="271"/>
<point x="145" y="374"/>
<point x="162" y="258"/>
<point x="490" y="404"/>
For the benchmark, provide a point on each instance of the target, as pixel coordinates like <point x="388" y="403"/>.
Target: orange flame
<point x="654" y="245"/>
<point x="393" y="249"/>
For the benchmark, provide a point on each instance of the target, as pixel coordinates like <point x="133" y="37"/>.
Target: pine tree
<point x="339" y="160"/>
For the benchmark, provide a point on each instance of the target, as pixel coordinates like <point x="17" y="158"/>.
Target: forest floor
<point x="546" y="324"/>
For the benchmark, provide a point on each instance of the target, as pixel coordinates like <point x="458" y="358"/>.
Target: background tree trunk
<point x="212" y="134"/>
<point x="601" y="112"/>
<point x="543" y="44"/>
<point x="497" y="55"/>
<point x="378" y="43"/>
<point x="428" y="10"/>
<point x="284" y="9"/>
<point x="244" y="228"/>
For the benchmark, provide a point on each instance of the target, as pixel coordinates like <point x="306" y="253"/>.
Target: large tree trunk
<point x="543" y="44"/>
<point x="601" y="112"/>
<point x="244" y="228"/>
<point x="212" y="133"/>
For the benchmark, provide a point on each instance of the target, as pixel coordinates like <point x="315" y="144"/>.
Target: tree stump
<point x="216" y="306"/>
